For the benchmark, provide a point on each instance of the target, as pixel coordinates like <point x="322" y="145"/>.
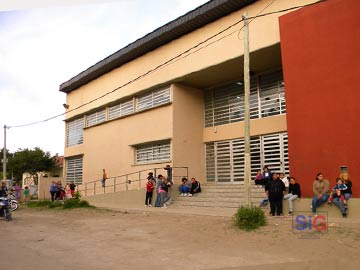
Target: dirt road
<point x="101" y="239"/>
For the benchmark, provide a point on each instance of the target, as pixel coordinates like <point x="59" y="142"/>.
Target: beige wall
<point x="109" y="145"/>
<point x="264" y="33"/>
<point x="44" y="186"/>
<point x="273" y="124"/>
<point x="188" y="146"/>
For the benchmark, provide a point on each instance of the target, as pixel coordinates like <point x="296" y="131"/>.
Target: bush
<point x="249" y="218"/>
<point x="67" y="204"/>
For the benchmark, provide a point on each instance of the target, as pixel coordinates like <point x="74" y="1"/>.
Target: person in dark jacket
<point x="275" y="189"/>
<point x="294" y="193"/>
<point x="266" y="175"/>
<point x="195" y="187"/>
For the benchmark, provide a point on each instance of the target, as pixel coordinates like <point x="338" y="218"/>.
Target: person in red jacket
<point x="149" y="192"/>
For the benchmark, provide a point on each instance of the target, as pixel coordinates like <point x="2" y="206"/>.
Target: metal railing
<point x="130" y="181"/>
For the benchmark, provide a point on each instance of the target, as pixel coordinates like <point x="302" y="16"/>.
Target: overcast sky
<point x="45" y="43"/>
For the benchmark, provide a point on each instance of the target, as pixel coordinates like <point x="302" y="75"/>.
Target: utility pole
<point x="4" y="154"/>
<point x="247" y="176"/>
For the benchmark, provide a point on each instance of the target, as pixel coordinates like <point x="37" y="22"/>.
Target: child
<point x="149" y="191"/>
<point x="336" y="192"/>
<point x="294" y="193"/>
<point x="26" y="194"/>
<point x="259" y="179"/>
<point x="184" y="187"/>
<point x="68" y="192"/>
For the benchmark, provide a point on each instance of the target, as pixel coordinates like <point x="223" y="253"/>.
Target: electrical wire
<point x="172" y="60"/>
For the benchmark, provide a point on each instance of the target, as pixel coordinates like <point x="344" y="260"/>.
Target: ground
<point x="160" y="239"/>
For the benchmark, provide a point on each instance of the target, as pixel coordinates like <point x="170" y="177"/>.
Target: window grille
<point x="225" y="159"/>
<point x="74" y="170"/>
<point x="153" y="99"/>
<point x="153" y="152"/>
<point x="74" y="132"/>
<point x="96" y="118"/>
<point x="121" y="109"/>
<point x="225" y="104"/>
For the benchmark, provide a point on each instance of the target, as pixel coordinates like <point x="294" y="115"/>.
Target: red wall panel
<point x="320" y="47"/>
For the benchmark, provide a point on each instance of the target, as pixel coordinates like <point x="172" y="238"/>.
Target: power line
<point x="172" y="60"/>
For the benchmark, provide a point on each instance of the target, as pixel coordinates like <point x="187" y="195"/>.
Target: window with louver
<point x="153" y="152"/>
<point x="225" y="159"/>
<point x="74" y="132"/>
<point x="96" y="118"/>
<point x="225" y="104"/>
<point x="121" y="109"/>
<point x="74" y="170"/>
<point x="153" y="99"/>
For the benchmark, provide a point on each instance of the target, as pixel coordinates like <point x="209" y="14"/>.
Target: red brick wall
<point x="320" y="48"/>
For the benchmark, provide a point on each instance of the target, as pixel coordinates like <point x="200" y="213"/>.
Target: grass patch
<point x="249" y="218"/>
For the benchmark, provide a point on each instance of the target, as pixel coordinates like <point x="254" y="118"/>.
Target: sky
<point x="44" y="43"/>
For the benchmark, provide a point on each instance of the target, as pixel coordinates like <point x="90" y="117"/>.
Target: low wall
<point x="136" y="199"/>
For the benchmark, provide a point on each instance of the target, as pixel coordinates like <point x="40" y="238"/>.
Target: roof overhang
<point x="197" y="18"/>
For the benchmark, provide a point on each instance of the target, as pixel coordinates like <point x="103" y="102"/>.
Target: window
<point x="153" y="152"/>
<point x="74" y="132"/>
<point x="153" y="99"/>
<point x="121" y="109"/>
<point x="225" y="104"/>
<point x="225" y="159"/>
<point x="96" y="118"/>
<point x="74" y="169"/>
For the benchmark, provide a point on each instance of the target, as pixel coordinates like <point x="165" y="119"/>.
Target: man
<point x="320" y="189"/>
<point x="275" y="189"/>
<point x="195" y="187"/>
<point x="104" y="177"/>
<point x="168" y="170"/>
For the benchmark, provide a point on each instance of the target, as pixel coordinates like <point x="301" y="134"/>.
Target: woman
<point x="266" y="175"/>
<point x="344" y="176"/>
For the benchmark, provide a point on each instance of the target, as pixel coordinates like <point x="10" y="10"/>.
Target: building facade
<point x="176" y="96"/>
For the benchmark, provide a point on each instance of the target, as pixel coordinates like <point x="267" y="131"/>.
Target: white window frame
<point x="96" y="118"/>
<point x="74" y="132"/>
<point x="121" y="109"/>
<point x="153" y="152"/>
<point x="74" y="170"/>
<point x="153" y="99"/>
<point x="225" y="104"/>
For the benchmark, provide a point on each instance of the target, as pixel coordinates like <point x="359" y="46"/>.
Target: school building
<point x="176" y="96"/>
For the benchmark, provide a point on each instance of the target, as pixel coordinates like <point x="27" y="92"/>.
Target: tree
<point x="29" y="161"/>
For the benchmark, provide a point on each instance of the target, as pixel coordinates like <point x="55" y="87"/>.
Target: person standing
<point x="320" y="189"/>
<point x="17" y="190"/>
<point x="104" y="177"/>
<point x="149" y="191"/>
<point x="72" y="188"/>
<point x="275" y="190"/>
<point x="168" y="170"/>
<point x="53" y="190"/>
<point x="26" y="194"/>
<point x="157" y="189"/>
<point x="294" y="193"/>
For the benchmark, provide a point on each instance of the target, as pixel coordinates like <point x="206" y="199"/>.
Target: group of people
<point x="57" y="192"/>
<point x="163" y="188"/>
<point x="278" y="188"/>
<point x="16" y="189"/>
<point x="339" y="193"/>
